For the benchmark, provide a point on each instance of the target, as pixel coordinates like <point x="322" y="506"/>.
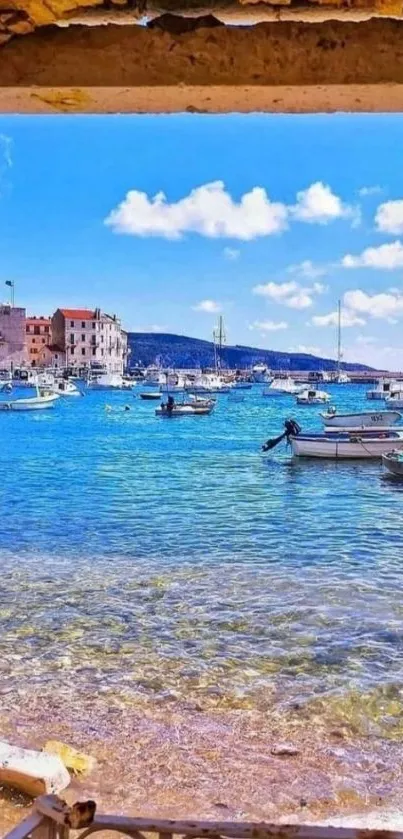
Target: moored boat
<point x="393" y="463"/>
<point x="384" y="388"/>
<point x="312" y="397"/>
<point x="150" y="395"/>
<point x="283" y="387"/>
<point x="44" y="399"/>
<point x="347" y="445"/>
<point x="363" y="419"/>
<point x="64" y="387"/>
<point x="395" y="400"/>
<point x="195" y="407"/>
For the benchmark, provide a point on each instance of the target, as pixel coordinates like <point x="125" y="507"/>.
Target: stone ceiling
<point x="20" y="17"/>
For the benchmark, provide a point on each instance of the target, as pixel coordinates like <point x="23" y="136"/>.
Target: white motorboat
<point x="209" y="383"/>
<point x="44" y="399"/>
<point x="393" y="462"/>
<point x="395" y="400"/>
<point x="365" y="419"/>
<point x="64" y="387"/>
<point x="106" y="381"/>
<point x="242" y="385"/>
<point x="173" y="383"/>
<point x="384" y="388"/>
<point x="283" y="387"/>
<point x="312" y="397"/>
<point x="348" y="445"/>
<point x="341" y="379"/>
<point x="261" y="374"/>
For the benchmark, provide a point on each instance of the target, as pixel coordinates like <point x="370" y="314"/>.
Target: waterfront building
<point x="90" y="338"/>
<point x="38" y="335"/>
<point x="13" y="345"/>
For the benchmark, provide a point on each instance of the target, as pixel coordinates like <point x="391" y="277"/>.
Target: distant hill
<point x="180" y="351"/>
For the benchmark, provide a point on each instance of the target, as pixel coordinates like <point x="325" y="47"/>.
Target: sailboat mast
<point x="339" y="338"/>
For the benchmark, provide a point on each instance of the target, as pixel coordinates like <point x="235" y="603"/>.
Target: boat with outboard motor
<point x="151" y="395"/>
<point x="312" y="397"/>
<point x="347" y="444"/>
<point x="373" y="420"/>
<point x="194" y="407"/>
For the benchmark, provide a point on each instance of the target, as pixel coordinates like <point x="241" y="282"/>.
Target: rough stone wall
<point x="20" y="17"/>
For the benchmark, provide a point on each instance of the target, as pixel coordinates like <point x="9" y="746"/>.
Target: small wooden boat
<point x="312" y="397"/>
<point x="364" y="419"/>
<point x="393" y="462"/>
<point x="197" y="407"/>
<point x="367" y="444"/>
<point x="150" y="394"/>
<point x="66" y="388"/>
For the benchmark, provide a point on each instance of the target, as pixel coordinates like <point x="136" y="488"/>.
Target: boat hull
<point x="347" y="447"/>
<point x="393" y="465"/>
<point x="370" y="419"/>
<point x="34" y="404"/>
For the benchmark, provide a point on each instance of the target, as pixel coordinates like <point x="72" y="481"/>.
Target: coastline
<point x="173" y="760"/>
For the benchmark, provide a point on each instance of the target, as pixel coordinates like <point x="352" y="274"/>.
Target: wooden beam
<point x="284" y="67"/>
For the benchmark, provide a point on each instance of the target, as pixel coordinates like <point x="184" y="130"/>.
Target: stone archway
<point x="189" y="55"/>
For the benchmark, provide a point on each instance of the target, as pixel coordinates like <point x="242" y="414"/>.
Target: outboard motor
<point x="291" y="430"/>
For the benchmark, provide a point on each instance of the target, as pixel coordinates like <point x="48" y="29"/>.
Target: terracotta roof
<point x="78" y="314"/>
<point x="38" y="321"/>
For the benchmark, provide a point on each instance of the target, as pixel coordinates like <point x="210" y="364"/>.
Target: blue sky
<point x="267" y="219"/>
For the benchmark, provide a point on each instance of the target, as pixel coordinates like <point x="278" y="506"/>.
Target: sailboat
<point x="340" y="378"/>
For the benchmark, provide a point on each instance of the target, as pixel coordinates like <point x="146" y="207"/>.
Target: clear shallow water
<point x="169" y="559"/>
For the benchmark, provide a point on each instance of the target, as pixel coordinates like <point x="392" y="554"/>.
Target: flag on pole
<point x="9" y="283"/>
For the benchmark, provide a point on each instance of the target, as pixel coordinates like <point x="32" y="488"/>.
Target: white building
<point x="90" y="338"/>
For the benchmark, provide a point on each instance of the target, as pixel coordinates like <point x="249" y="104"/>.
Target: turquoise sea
<point x="199" y="547"/>
<point x="147" y="560"/>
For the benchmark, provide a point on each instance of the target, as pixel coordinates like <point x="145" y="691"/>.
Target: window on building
<point x="83" y="351"/>
<point x="83" y="337"/>
<point x="47" y="330"/>
<point x="43" y="340"/>
<point x="93" y="325"/>
<point x="27" y="329"/>
<point x="94" y="352"/>
<point x="37" y="330"/>
<point x="56" y="356"/>
<point x="72" y="324"/>
<point x="83" y="324"/>
<point x="71" y="338"/>
<point x="71" y="350"/>
<point x="102" y="339"/>
<point x="102" y="352"/>
<point x="33" y="340"/>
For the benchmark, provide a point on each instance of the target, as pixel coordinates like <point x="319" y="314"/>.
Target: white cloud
<point x="388" y="257"/>
<point x="319" y="205"/>
<point x="384" y="305"/>
<point x="211" y="307"/>
<point x="268" y="325"/>
<point x="347" y="319"/>
<point x="208" y="210"/>
<point x="290" y="294"/>
<point x="389" y="217"/>
<point x="369" y="190"/>
<point x="307" y="270"/>
<point x="232" y="254"/>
